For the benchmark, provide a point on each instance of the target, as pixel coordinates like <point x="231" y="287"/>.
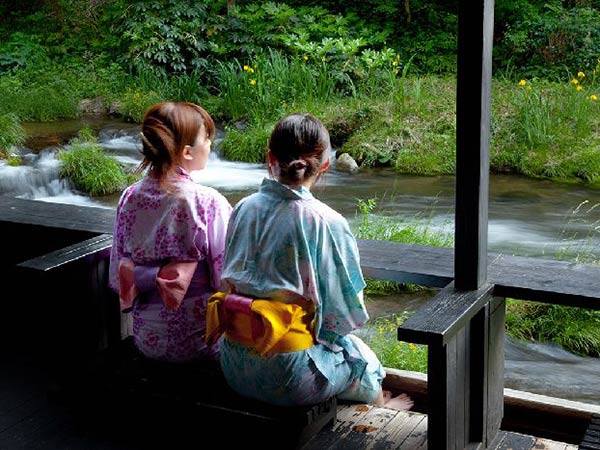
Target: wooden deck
<point x="32" y="419"/>
<point x="367" y="427"/>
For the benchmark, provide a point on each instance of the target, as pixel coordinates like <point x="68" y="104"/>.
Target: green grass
<point x="575" y="329"/>
<point x="91" y="171"/>
<point x="11" y="133"/>
<point x="381" y="335"/>
<point x="373" y="224"/>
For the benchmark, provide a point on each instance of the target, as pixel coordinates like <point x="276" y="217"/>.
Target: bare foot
<point x="402" y="402"/>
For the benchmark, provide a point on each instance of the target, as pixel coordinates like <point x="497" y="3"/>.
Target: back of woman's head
<point x="299" y="142"/>
<point x="166" y="129"/>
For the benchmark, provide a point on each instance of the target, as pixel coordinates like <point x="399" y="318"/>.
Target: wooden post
<point x="474" y="72"/>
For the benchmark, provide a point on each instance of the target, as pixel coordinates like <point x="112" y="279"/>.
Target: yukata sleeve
<point x="341" y="286"/>
<point x="116" y="252"/>
<point x="216" y="231"/>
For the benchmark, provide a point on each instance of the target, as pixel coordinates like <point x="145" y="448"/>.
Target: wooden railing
<point x="464" y="330"/>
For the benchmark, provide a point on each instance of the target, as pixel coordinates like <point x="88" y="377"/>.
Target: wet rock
<point x="345" y="163"/>
<point x="92" y="106"/>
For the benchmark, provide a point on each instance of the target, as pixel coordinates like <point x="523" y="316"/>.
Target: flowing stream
<point x="526" y="217"/>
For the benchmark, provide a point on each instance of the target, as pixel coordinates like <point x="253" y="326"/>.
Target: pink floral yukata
<point x="155" y="227"/>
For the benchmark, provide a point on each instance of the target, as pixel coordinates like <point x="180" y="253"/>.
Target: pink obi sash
<point x="171" y="281"/>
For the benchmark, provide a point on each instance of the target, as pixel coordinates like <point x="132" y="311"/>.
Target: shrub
<point x="246" y="145"/>
<point x="91" y="171"/>
<point x="11" y="133"/>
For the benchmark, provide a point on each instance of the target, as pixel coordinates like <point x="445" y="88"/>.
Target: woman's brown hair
<point x="166" y="129"/>
<point x="298" y="142"/>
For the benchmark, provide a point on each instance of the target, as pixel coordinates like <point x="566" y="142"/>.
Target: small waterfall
<point x="36" y="179"/>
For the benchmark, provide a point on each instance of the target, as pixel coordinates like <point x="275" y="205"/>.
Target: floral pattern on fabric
<point x="154" y="226"/>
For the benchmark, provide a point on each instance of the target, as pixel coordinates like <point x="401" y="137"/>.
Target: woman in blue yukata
<point x="293" y="287"/>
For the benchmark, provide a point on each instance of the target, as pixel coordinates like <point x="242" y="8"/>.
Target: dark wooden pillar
<point x="475" y="33"/>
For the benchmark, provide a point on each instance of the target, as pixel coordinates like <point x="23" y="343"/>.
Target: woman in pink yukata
<point x="169" y="237"/>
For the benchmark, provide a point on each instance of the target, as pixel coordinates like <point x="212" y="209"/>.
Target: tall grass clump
<point x="89" y="169"/>
<point x="249" y="145"/>
<point x="549" y="130"/>
<point x="580" y="231"/>
<point x="415" y="135"/>
<point x="575" y="329"/>
<point x="260" y="90"/>
<point x="381" y="334"/>
<point x="11" y="133"/>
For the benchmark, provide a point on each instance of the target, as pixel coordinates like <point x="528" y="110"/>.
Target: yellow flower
<point x="253" y="82"/>
<point x="579" y="88"/>
<point x="594" y="97"/>
<point x="246" y="68"/>
<point x="575" y="81"/>
<point x="394" y="63"/>
<point x="528" y="88"/>
<point x="580" y="74"/>
<point x="250" y="70"/>
<point x="522" y="83"/>
<point x="305" y="57"/>
<point x="412" y="346"/>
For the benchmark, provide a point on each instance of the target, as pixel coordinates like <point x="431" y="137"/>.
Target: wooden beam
<point x="474" y="73"/>
<point x="439" y="320"/>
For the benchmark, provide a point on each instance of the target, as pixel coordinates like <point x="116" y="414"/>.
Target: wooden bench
<point x="107" y="373"/>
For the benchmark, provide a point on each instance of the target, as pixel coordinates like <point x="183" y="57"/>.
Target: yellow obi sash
<point x="267" y="326"/>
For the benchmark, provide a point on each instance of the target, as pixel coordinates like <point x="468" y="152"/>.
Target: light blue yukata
<point x="283" y="243"/>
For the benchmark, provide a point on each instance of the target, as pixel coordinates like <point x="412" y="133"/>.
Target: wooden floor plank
<point x="367" y="427"/>
<point x="398" y="432"/>
<point x="330" y="437"/>
<point x="515" y="441"/>
<point x="417" y="439"/>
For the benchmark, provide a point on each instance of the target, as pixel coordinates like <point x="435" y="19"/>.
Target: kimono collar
<point x="181" y="171"/>
<point x="278" y="189"/>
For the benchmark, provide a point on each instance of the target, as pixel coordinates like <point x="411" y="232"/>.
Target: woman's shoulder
<point x="325" y="212"/>
<point x="206" y="194"/>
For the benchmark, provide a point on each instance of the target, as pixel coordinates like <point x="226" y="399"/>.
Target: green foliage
<point x="165" y="36"/>
<point x="381" y="335"/>
<point x="46" y="97"/>
<point x="19" y="50"/>
<point x="91" y="170"/>
<point x="246" y="145"/>
<point x="85" y="136"/>
<point x="413" y="129"/>
<point x="261" y="90"/>
<point x="135" y="102"/>
<point x="14" y="161"/>
<point x="547" y="130"/>
<point x="11" y="133"/>
<point x="555" y="41"/>
<point x="575" y="329"/>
